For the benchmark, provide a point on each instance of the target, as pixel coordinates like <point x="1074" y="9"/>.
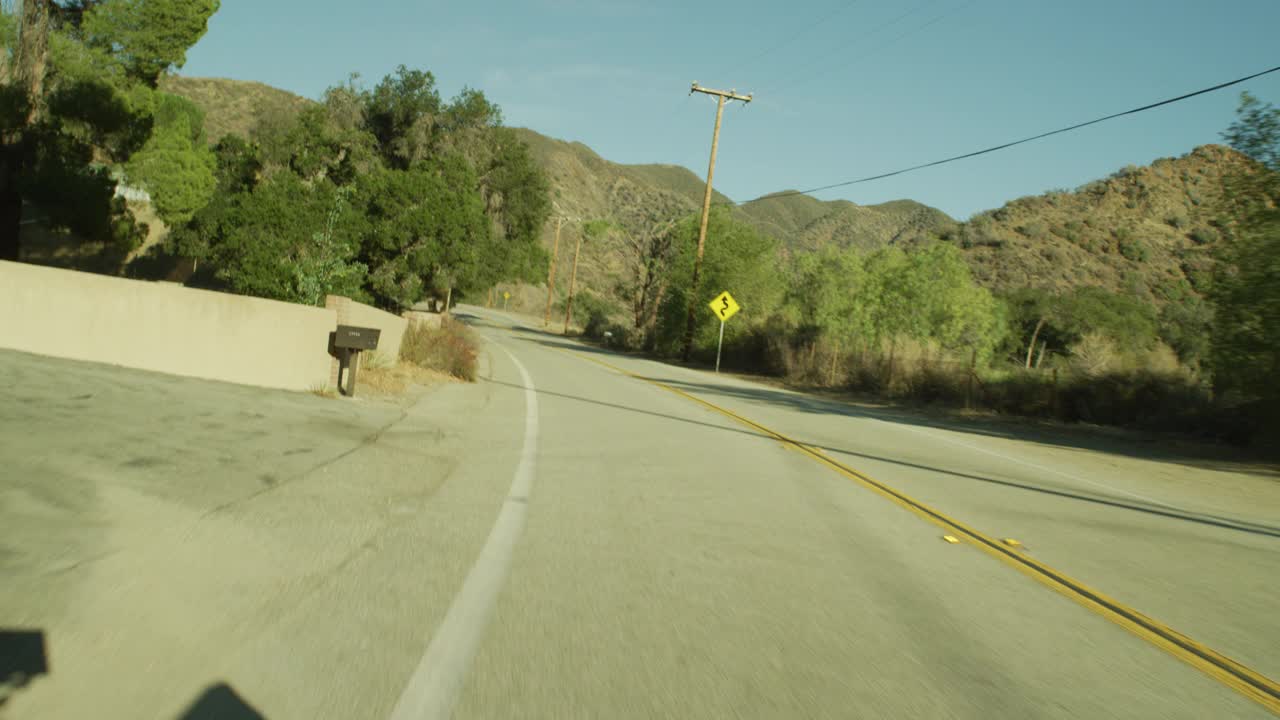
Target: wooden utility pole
<point x="551" y="274"/>
<point x="694" y="301"/>
<point x="573" y="281"/>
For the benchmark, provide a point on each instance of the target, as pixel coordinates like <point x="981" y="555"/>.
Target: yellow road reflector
<point x="951" y="538"/>
<point x="1012" y="543"/>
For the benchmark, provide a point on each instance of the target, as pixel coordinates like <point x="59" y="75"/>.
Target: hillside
<point x="234" y="106"/>
<point x="1144" y="230"/>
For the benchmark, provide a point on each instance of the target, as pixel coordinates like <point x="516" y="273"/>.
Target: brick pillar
<point x="342" y="306"/>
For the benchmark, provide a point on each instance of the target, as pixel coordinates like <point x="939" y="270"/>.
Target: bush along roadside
<point x="452" y="348"/>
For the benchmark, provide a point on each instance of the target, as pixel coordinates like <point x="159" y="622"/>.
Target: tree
<point x="829" y="290"/>
<point x="80" y="100"/>
<point x="1060" y="320"/>
<point x="928" y="295"/>
<point x="144" y="38"/>
<point x="1246" y="280"/>
<point x="1185" y="326"/>
<point x="175" y="165"/>
<point x="741" y="260"/>
<point x="421" y="220"/>
<point x="426" y="197"/>
<point x="21" y="94"/>
<point x="649" y="253"/>
<point x="1256" y="131"/>
<point x="284" y="239"/>
<point x="1030" y="310"/>
<point x="645" y="234"/>
<point x="402" y="113"/>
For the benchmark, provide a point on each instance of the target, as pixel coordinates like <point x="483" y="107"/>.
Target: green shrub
<point x="1176" y="221"/>
<point x="1134" y="250"/>
<point x="1202" y="236"/>
<point x="1145" y="398"/>
<point x="1023" y="392"/>
<point x="451" y="348"/>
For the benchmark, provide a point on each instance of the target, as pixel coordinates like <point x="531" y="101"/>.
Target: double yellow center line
<point x="1247" y="682"/>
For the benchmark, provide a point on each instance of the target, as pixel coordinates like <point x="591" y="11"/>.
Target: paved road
<point x="568" y="539"/>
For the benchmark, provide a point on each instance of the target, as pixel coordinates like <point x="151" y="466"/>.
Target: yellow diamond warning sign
<point x="724" y="306"/>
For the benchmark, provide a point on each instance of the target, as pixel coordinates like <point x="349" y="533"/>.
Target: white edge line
<point x="434" y="687"/>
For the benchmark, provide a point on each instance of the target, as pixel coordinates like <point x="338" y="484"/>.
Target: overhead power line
<point x="794" y="36"/>
<point x="1004" y="146"/>
<point x="808" y="78"/>
<point x="822" y="57"/>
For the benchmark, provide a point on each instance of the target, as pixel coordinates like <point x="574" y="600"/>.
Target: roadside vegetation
<point x="915" y="325"/>
<point x="386" y="194"/>
<point x="452" y="348"/>
<point x="1149" y="298"/>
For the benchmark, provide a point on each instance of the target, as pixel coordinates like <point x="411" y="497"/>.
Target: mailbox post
<point x="348" y="342"/>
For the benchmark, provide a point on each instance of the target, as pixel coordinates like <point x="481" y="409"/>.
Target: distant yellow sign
<point x="724" y="306"/>
<point x="506" y="296"/>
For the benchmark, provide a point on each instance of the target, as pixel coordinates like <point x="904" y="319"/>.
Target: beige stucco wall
<point x="164" y="327"/>
<point x="419" y="316"/>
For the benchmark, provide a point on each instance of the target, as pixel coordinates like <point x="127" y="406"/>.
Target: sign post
<point x="725" y="307"/>
<point x="505" y="297"/>
<point x="719" y="346"/>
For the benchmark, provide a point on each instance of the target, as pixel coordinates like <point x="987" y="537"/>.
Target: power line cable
<point x="834" y="49"/>
<point x="883" y="46"/>
<point x="792" y="38"/>
<point x="1004" y="146"/>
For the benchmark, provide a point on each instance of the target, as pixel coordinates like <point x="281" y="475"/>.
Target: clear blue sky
<point x="865" y="87"/>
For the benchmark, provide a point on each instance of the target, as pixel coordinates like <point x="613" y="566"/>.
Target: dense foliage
<point x="911" y="322"/>
<point x="1246" y="282"/>
<point x="388" y="194"/>
<point x="82" y="112"/>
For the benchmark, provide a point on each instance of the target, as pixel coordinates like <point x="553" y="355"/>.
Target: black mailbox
<point x="346" y="343"/>
<point x="356" y="338"/>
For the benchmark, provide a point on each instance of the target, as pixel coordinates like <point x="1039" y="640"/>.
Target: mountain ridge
<point x="1145" y="231"/>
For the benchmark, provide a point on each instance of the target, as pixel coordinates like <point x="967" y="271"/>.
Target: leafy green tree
<point x="1246" y="281"/>
<point x="1186" y="325"/>
<point x="238" y="164"/>
<point x="403" y="112"/>
<point x="421" y="220"/>
<point x="144" y="38"/>
<point x="1038" y="318"/>
<point x="1246" y="293"/>
<point x="828" y="294"/>
<point x="738" y="258"/>
<point x="1033" y="317"/>
<point x="285" y="240"/>
<point x="79" y="101"/>
<point x="1256" y="131"/>
<point x="175" y="165"/>
<point x="434" y="197"/>
<point x="929" y="295"/>
<point x="1125" y="320"/>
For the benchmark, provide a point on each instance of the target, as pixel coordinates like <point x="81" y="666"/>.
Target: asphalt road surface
<point x="587" y="535"/>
